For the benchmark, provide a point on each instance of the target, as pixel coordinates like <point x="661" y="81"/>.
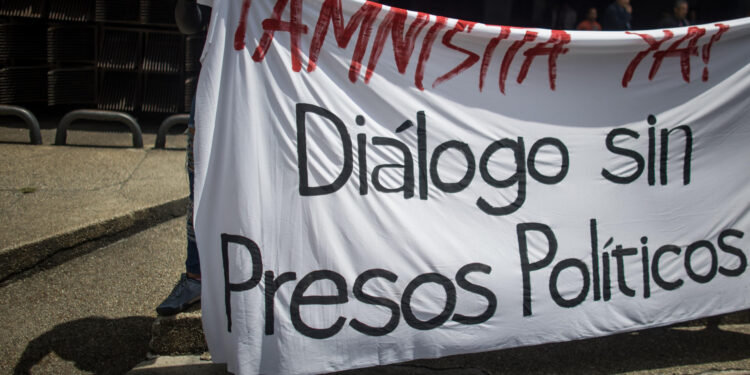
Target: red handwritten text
<point x="294" y="27"/>
<point x="707" y="48"/>
<point x="684" y="53"/>
<point x="511" y="53"/>
<point x="404" y="30"/>
<point x="488" y="51"/>
<point x="553" y="48"/>
<point x="471" y="57"/>
<point x="362" y="19"/>
<point x="403" y="45"/>
<point x="424" y="55"/>
<point x="239" y="34"/>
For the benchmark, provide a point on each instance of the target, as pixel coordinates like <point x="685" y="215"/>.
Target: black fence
<point x="123" y="55"/>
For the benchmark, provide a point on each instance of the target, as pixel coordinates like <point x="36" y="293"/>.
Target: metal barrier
<point x="98" y="115"/>
<point x="24" y="114"/>
<point x="168" y="123"/>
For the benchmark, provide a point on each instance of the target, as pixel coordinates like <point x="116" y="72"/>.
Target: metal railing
<point x="98" y="115"/>
<point x="28" y="118"/>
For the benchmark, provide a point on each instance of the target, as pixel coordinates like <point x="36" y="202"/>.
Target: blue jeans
<point x="192" y="262"/>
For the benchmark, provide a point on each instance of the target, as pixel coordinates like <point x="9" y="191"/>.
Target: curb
<point x="182" y="365"/>
<point x="48" y="252"/>
<point x="178" y="334"/>
<point x="183" y="333"/>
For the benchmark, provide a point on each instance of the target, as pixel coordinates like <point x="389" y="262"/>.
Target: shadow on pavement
<point x="95" y="344"/>
<point x="4" y="142"/>
<point x="205" y="368"/>
<point x="104" y="147"/>
<point x="175" y="148"/>
<point x="114" y="346"/>
<point x="651" y="349"/>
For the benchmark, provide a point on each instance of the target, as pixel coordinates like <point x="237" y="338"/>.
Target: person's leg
<point x="188" y="289"/>
<point x="192" y="261"/>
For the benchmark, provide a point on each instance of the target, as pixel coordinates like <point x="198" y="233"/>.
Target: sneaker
<point x="185" y="293"/>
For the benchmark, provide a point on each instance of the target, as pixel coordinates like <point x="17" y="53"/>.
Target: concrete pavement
<point x="80" y="275"/>
<point x="54" y="198"/>
<point x="94" y="313"/>
<point x="93" y="223"/>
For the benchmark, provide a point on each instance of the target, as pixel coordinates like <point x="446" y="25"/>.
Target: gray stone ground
<point x="57" y="197"/>
<point x="77" y="215"/>
<point x="93" y="312"/>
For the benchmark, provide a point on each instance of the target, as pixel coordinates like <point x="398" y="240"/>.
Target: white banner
<point x="375" y="185"/>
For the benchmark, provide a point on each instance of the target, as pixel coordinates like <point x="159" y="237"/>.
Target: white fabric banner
<point x="375" y="185"/>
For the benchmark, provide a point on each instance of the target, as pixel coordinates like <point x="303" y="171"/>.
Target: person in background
<point x="693" y="17"/>
<point x="678" y="18"/>
<point x="567" y="17"/>
<point x="589" y="23"/>
<point x="617" y="16"/>
<point x="191" y="19"/>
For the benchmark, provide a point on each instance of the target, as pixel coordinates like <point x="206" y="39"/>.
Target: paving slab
<point x="94" y="313"/>
<point x="54" y="198"/>
<point x="178" y="365"/>
<point x="178" y="334"/>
